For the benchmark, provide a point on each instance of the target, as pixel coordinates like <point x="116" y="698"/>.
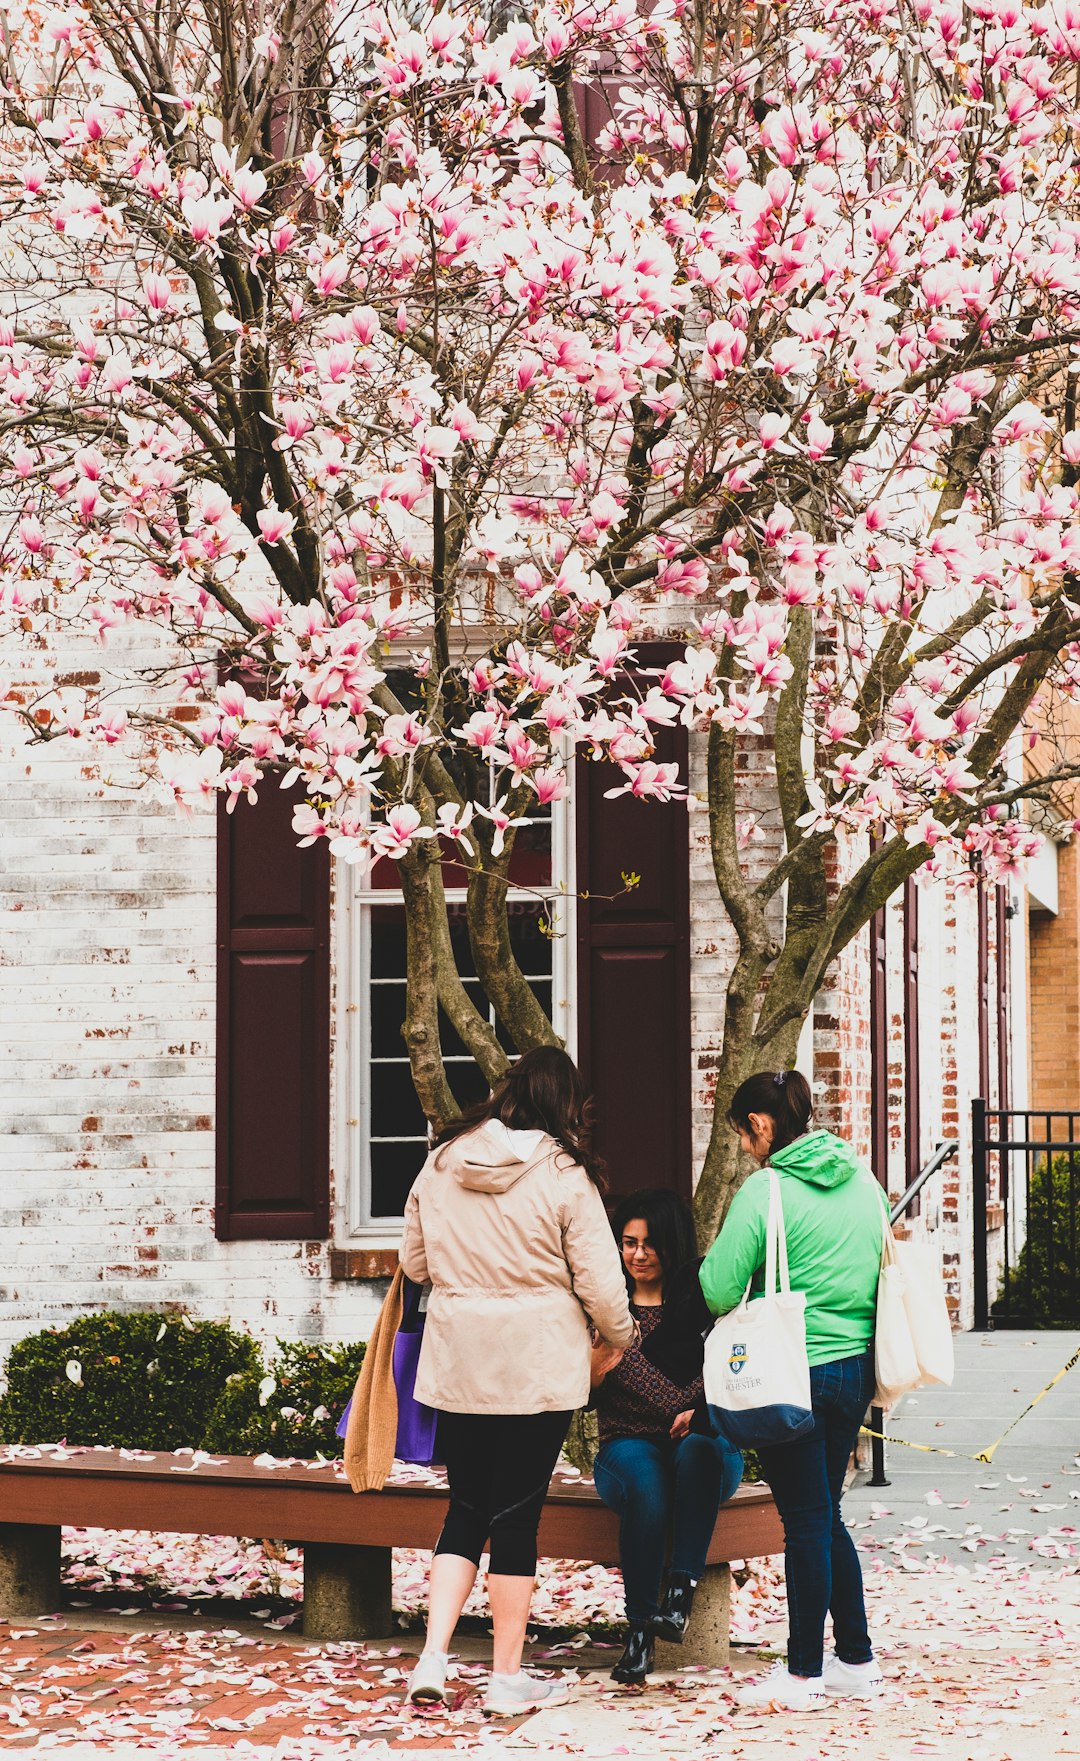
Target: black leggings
<point x="499" y="1466"/>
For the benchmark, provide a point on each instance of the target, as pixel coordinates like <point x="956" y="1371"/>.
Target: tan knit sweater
<point x="372" y="1429"/>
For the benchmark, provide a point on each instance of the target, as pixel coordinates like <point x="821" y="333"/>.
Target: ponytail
<point x="784" y="1095"/>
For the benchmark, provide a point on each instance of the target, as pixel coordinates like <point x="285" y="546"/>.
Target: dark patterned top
<point x="635" y="1399"/>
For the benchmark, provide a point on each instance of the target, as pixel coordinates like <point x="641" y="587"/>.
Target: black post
<point x="978" y="1204"/>
<point x="877" y="1448"/>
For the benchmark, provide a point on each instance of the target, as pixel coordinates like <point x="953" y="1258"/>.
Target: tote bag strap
<point x="776" y="1256"/>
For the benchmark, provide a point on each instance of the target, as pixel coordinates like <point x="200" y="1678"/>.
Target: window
<point x="383" y="1133"/>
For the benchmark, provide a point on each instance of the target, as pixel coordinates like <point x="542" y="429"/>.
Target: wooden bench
<point x="347" y="1538"/>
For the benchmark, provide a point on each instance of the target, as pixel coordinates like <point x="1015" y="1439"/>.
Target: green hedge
<point x="299" y="1415"/>
<point x="135" y="1381"/>
<point x="154" y="1381"/>
<point x="1044" y="1284"/>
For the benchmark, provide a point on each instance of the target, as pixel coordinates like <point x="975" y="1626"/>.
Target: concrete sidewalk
<point x="1032" y="1485"/>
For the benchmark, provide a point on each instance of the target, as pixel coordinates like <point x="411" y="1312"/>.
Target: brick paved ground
<point x="70" y="1679"/>
<point x="973" y="1590"/>
<point x="980" y="1666"/>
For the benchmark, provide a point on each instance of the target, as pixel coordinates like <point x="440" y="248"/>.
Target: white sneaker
<point x="508" y="1696"/>
<point x="852" y="1681"/>
<point x="780" y="1692"/>
<point x="427" y="1682"/>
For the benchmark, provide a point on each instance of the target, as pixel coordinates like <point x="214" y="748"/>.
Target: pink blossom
<point x="454" y="822"/>
<point x="32" y="533"/>
<point x="330" y="275"/>
<point x="249" y="186"/>
<point x="274" y="525"/>
<point x="483" y="730"/>
<point x="819" y="437"/>
<point x="502" y="822"/>
<point x="523" y="751"/>
<point x="87" y="499"/>
<point x="649" y="780"/>
<point x="840" y="722"/>
<point x="772" y="428"/>
<point x="396" y="835"/>
<point x="401" y="735"/>
<point x="111" y="726"/>
<point x="550" y="785"/>
<point x="158" y="292"/>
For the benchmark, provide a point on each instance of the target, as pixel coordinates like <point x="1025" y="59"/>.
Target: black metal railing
<point x="899" y="1210"/>
<point x="1026" y="1167"/>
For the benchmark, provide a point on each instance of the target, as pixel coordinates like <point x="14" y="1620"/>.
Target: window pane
<point x="395" y="1110"/>
<point x="532" y="947"/>
<point x="530" y="863"/>
<point x="394" y="1167"/>
<point x="468" y="1083"/>
<point x="388" y="942"/>
<point x="387" y="1008"/>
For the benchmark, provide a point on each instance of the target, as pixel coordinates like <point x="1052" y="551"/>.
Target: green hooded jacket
<point x="834" y="1216"/>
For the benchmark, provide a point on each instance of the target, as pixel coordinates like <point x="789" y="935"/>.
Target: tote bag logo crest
<point x="757" y="1378"/>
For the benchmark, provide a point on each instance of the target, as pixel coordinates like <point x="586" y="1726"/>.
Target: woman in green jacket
<point x="834" y="1218"/>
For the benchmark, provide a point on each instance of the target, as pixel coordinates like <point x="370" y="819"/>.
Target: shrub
<point x="298" y="1416"/>
<point x="141" y="1381"/>
<point x="1044" y="1284"/>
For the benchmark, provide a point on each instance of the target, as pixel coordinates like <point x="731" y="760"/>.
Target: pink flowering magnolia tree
<point x="397" y="405"/>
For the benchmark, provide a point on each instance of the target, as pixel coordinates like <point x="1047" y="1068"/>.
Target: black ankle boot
<point x="636" y="1661"/>
<point x="674" y="1616"/>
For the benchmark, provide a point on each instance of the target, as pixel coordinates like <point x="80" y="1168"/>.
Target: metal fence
<point x="1025" y="1191"/>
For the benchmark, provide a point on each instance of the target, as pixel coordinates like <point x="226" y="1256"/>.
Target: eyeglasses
<point x="629" y="1245"/>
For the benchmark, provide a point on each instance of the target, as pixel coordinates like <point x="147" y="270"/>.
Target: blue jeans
<point x="807" y="1478"/>
<point x="649" y="1481"/>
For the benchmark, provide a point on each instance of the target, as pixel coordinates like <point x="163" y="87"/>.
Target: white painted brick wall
<point x="107" y="962"/>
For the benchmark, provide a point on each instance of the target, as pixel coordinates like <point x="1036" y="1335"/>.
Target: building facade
<point x="207" y="1099"/>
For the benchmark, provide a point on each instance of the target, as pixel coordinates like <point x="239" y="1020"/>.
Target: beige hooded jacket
<point x="514" y="1240"/>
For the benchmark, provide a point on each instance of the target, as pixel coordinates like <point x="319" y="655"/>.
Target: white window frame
<point x="354" y="902"/>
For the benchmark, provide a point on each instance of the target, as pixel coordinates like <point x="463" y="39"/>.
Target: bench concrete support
<point x="347" y="1592"/>
<point x="29" y="1569"/>
<point x="707" y="1636"/>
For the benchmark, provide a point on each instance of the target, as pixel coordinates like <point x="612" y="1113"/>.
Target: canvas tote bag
<point x="757" y="1379"/>
<point x="913" y="1343"/>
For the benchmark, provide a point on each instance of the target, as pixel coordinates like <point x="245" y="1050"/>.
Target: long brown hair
<point x="543" y="1091"/>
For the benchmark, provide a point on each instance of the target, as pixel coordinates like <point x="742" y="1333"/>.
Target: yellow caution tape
<point x="985" y="1456"/>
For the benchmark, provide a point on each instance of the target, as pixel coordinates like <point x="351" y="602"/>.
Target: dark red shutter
<point x="879" y="1048"/>
<point x="983" y="1002"/>
<point x="273" y="1065"/>
<point x="634" y="971"/>
<point x="1004" y="1021"/>
<point x="912" y="1078"/>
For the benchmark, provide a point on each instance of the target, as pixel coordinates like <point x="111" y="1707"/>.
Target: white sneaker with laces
<point x="508" y="1696"/>
<point x="780" y="1692"/>
<point x="852" y="1681"/>
<point x="427" y="1683"/>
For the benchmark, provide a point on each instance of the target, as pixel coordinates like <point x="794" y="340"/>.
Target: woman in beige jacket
<point x="507" y="1225"/>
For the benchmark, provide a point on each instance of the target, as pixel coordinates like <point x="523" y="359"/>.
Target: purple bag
<point x="416" y="1423"/>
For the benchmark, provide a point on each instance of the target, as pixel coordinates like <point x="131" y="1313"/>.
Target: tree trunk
<point x="421" y="1029"/>
<point x="743" y="1052"/>
<point x="504" y="982"/>
<point x="473" y="1029"/>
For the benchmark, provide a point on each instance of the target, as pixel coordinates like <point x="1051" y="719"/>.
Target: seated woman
<point x="653" y="1467"/>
